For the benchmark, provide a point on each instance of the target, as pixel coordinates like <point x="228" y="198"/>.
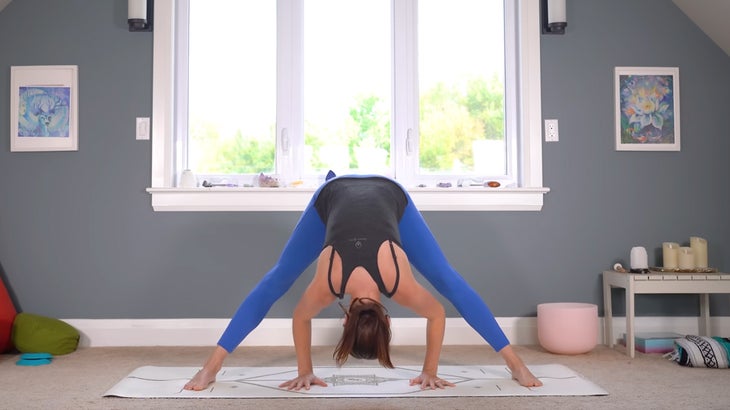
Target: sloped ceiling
<point x="4" y="3"/>
<point x="711" y="16"/>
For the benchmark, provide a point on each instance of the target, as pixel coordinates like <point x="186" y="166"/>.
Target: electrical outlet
<point x="551" y="130"/>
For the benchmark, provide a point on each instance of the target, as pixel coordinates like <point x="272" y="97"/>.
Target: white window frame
<point x="166" y="197"/>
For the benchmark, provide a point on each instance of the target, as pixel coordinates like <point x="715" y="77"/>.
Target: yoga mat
<point x="263" y="382"/>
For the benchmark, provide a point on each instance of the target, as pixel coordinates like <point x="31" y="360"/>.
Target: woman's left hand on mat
<point x="305" y="381"/>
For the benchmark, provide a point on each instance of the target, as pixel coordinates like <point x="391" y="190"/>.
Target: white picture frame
<point x="44" y="108"/>
<point x="647" y="109"/>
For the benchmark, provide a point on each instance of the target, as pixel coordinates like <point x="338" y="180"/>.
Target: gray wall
<point x="79" y="239"/>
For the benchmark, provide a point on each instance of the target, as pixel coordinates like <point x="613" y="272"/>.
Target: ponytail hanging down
<point x="366" y="334"/>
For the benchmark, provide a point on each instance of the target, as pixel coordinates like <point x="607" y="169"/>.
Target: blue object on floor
<point x="36" y="356"/>
<point x="34" y="359"/>
<point x="34" y="362"/>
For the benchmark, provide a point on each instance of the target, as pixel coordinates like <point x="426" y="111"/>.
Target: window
<point x="413" y="89"/>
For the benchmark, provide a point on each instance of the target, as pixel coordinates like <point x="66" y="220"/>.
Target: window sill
<point x="296" y="199"/>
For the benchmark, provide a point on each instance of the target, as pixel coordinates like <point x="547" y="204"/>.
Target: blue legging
<point x="305" y="245"/>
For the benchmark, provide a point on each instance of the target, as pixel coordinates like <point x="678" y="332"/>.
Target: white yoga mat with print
<point x="263" y="382"/>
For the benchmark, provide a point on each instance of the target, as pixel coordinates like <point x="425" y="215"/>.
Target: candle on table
<point x="699" y="248"/>
<point x="670" y="254"/>
<point x="686" y="258"/>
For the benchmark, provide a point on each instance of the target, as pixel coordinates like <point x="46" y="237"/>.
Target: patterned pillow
<point x="702" y="351"/>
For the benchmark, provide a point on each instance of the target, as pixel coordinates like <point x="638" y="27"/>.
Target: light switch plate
<point x="143" y="128"/>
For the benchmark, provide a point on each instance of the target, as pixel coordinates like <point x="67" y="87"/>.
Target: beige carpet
<point x="352" y="381"/>
<point x="80" y="379"/>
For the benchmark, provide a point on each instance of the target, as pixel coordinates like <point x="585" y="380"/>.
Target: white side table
<point x="659" y="282"/>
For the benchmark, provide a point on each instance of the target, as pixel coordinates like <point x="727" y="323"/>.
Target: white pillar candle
<point x="699" y="248"/>
<point x="670" y="254"/>
<point x="686" y="258"/>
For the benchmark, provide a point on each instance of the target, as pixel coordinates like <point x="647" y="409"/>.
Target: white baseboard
<point x="326" y="332"/>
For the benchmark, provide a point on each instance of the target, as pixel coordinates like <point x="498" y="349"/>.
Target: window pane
<point x="232" y="84"/>
<point x="347" y="85"/>
<point x="461" y="87"/>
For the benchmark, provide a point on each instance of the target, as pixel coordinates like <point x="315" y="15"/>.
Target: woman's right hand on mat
<point x="305" y="381"/>
<point x="430" y="381"/>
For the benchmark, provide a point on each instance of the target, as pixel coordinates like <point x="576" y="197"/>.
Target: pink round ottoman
<point x="567" y="328"/>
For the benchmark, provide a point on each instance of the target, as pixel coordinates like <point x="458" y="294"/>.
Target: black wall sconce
<point x="139" y="14"/>
<point x="553" y="18"/>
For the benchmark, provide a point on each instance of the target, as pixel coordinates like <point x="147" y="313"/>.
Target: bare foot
<point x="201" y="380"/>
<point x="520" y="372"/>
<point x="525" y="378"/>
<point x="206" y="375"/>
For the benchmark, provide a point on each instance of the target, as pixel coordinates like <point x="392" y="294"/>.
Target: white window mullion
<point x="511" y="92"/>
<point x="289" y="123"/>
<point x="163" y="89"/>
<point x="530" y="90"/>
<point x="405" y="90"/>
<point x="182" y="53"/>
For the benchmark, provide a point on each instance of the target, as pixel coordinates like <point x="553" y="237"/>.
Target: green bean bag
<point x="36" y="334"/>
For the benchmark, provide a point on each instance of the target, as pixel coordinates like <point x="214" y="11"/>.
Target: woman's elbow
<point x="436" y="312"/>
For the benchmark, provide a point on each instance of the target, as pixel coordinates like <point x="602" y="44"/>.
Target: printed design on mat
<point x="263" y="382"/>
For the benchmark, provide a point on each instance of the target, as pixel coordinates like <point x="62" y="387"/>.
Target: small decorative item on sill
<point x="188" y="179"/>
<point x="477" y="183"/>
<point x="267" y="181"/>
<point x="470" y="182"/>
<point x="208" y="184"/>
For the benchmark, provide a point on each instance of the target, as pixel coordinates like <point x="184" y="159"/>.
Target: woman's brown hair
<point x="366" y="334"/>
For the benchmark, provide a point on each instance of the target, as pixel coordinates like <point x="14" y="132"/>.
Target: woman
<point x="372" y="233"/>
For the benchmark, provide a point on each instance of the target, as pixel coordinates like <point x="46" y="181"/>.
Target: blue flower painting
<point x="44" y="111"/>
<point x="647" y="109"/>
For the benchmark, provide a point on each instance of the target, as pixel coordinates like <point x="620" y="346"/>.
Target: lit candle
<point x="686" y="258"/>
<point x="699" y="248"/>
<point x="670" y="253"/>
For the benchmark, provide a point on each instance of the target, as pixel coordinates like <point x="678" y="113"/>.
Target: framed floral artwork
<point x="43" y="108"/>
<point x="647" y="108"/>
